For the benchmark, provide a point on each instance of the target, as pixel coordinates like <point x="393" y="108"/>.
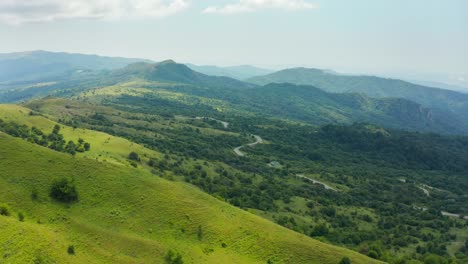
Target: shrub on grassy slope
<point x="4" y="209"/>
<point x="64" y="190"/>
<point x="134" y="156"/>
<point x="173" y="258"/>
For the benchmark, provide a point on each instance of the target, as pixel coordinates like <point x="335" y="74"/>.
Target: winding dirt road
<point x="224" y="123"/>
<point x="327" y="187"/>
<point x="258" y="140"/>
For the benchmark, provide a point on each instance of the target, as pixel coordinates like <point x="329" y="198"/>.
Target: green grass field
<point x="127" y="215"/>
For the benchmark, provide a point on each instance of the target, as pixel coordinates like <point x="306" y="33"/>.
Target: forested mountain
<point x="446" y="100"/>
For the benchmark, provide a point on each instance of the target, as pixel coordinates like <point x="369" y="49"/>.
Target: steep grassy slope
<point x="130" y="216"/>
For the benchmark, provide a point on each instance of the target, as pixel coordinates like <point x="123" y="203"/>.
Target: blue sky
<point x="369" y="36"/>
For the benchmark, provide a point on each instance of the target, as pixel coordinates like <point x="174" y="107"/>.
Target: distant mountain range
<point x="307" y="95"/>
<point x="41" y="66"/>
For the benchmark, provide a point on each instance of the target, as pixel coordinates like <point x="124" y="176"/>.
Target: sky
<point x="411" y="38"/>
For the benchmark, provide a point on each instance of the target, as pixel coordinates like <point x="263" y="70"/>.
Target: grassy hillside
<point x="127" y="215"/>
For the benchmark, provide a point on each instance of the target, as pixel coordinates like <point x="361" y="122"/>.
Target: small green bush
<point x="71" y="250"/>
<point x="345" y="260"/>
<point x="173" y="258"/>
<point x="21" y="217"/>
<point x="4" y="210"/>
<point x="133" y="156"/>
<point x="200" y="233"/>
<point x="34" y="195"/>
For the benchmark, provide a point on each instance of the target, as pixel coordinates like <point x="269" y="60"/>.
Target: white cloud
<point x="245" y="6"/>
<point x="30" y="11"/>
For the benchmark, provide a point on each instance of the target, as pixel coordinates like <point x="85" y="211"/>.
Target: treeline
<point x="54" y="140"/>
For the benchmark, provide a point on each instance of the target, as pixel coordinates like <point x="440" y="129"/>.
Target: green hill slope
<point x="127" y="215"/>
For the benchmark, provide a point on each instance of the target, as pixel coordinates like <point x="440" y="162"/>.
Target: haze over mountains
<point x="238" y="72"/>
<point x="42" y="65"/>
